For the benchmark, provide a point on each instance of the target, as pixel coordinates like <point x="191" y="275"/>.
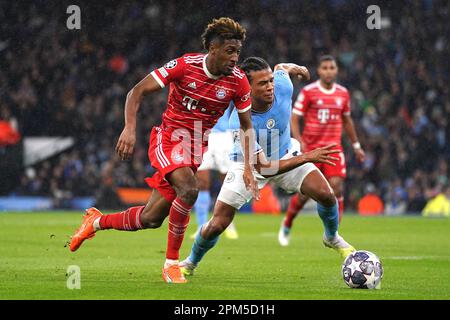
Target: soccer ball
<point x="362" y="270"/>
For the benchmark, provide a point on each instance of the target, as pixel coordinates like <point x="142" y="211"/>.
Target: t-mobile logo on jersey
<point x="189" y="103"/>
<point x="323" y="115"/>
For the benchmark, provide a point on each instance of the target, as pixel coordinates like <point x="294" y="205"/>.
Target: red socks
<point x="178" y="222"/>
<point x="295" y="205"/>
<point x="128" y="220"/>
<point x="341" y="207"/>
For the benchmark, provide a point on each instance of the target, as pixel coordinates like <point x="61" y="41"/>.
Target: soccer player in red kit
<point x="201" y="88"/>
<point x="324" y="109"/>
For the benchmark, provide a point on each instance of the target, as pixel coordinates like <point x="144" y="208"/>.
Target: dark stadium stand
<point x="59" y="82"/>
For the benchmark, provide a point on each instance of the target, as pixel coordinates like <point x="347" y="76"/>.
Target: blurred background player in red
<point x="321" y="111"/>
<point x="201" y="88"/>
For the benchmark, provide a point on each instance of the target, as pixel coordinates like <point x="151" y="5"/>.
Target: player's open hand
<point x="125" y="145"/>
<point x="250" y="183"/>
<point x="323" y="155"/>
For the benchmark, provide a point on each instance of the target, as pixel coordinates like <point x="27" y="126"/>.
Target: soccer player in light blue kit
<point x="215" y="158"/>
<point x="278" y="159"/>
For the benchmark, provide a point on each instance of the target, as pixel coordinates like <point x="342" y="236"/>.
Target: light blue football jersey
<point x="273" y="130"/>
<point x="222" y="124"/>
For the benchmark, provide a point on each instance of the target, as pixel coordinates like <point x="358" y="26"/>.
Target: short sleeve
<point x="346" y="110"/>
<point x="171" y="71"/>
<point x="283" y="84"/>
<point x="301" y="104"/>
<point x="242" y="99"/>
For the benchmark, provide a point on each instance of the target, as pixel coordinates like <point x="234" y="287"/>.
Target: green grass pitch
<point x="127" y="265"/>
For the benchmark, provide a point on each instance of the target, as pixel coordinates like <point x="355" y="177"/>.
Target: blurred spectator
<point x="396" y="199"/>
<point x="74" y="83"/>
<point x="439" y="205"/>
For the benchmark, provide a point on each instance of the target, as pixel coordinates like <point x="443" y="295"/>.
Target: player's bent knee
<point x="326" y="197"/>
<point x="188" y="194"/>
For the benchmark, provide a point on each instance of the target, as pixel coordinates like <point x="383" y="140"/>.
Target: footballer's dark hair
<point x="326" y="57"/>
<point x="222" y="29"/>
<point x="253" y="64"/>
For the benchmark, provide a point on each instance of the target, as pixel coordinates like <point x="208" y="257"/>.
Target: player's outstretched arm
<point x="294" y="70"/>
<point x="127" y="139"/>
<point x="320" y="155"/>
<point x="349" y="128"/>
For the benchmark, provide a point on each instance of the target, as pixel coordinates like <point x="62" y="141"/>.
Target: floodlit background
<point x="62" y="95"/>
<point x="70" y="86"/>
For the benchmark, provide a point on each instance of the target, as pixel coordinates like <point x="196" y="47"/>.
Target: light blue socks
<point x="201" y="207"/>
<point x="330" y="219"/>
<point x="200" y="248"/>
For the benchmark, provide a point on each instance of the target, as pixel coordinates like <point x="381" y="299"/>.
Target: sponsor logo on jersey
<point x="163" y="72"/>
<point x="221" y="93"/>
<point x="192" y="85"/>
<point x="320" y="102"/>
<point x="189" y="103"/>
<point x="323" y="115"/>
<point x="171" y="64"/>
<point x="270" y="123"/>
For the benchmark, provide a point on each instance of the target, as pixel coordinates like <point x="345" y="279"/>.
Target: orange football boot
<point x="172" y="274"/>
<point x="86" y="231"/>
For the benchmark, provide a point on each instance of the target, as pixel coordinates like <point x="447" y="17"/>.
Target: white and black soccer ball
<point x="362" y="270"/>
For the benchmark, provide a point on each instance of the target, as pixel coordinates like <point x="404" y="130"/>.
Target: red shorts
<point x="169" y="150"/>
<point x="340" y="170"/>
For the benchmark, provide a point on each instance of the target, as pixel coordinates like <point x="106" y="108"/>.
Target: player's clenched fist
<point x="301" y="72"/>
<point x="322" y="155"/>
<point x="125" y="145"/>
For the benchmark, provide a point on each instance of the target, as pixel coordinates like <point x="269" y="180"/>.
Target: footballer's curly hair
<point x="223" y="29"/>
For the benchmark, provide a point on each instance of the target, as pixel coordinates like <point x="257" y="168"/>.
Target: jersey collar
<point x="326" y="91"/>
<point x="205" y="69"/>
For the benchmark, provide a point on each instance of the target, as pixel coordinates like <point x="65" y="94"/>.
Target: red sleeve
<point x="346" y="110"/>
<point x="171" y="71"/>
<point x="302" y="103"/>
<point x="242" y="99"/>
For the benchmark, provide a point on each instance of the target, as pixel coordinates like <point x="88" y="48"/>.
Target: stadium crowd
<point x="61" y="82"/>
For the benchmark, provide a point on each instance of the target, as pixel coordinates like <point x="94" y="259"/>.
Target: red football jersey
<point x="322" y="111"/>
<point x="197" y="97"/>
